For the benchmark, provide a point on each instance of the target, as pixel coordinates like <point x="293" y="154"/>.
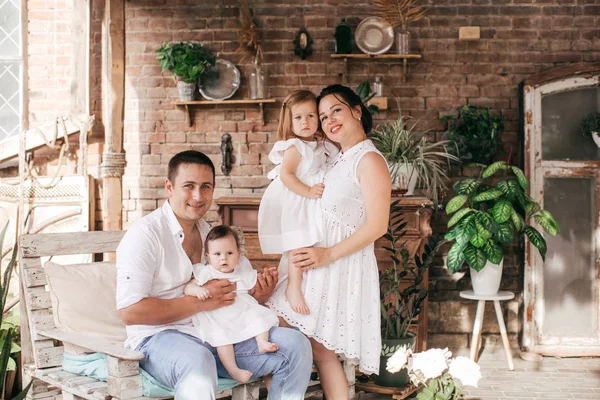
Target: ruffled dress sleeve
<point x="245" y="275"/>
<point x="276" y="154"/>
<point x="202" y="273"/>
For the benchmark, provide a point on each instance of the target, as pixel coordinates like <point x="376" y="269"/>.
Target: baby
<point x="242" y="320"/>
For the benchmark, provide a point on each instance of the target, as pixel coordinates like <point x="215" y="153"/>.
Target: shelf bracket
<point x="404" y="69"/>
<point x="262" y="112"/>
<point x="345" y="78"/>
<point x="188" y="116"/>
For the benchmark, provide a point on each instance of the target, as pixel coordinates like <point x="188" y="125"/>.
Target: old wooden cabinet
<point x="242" y="211"/>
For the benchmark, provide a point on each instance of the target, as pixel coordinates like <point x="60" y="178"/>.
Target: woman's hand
<point x="311" y="257"/>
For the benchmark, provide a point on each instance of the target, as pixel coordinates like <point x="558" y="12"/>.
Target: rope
<point x="113" y="165"/>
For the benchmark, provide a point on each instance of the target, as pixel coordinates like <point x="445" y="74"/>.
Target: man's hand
<point x="265" y="284"/>
<point x="222" y="293"/>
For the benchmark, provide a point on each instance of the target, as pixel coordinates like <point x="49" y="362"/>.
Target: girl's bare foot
<point x="296" y="299"/>
<point x="240" y="375"/>
<point x="266" y="347"/>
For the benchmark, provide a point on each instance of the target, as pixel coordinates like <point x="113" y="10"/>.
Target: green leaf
<point x="502" y="211"/>
<point x="465" y="229"/>
<point x="486" y="196"/>
<point x="458" y="216"/>
<point x="507" y="186"/>
<point x="487" y="221"/>
<point x="456" y="257"/>
<point x="476" y="165"/>
<point x="532" y="207"/>
<point x="481" y="236"/>
<point x="517" y="220"/>
<point x="493" y="251"/>
<point x="433" y="385"/>
<point x="425" y="394"/>
<point x="536" y="238"/>
<point x="456" y="203"/>
<point x="550" y="219"/>
<point x="451" y="234"/>
<point x="475" y="257"/>
<point x="506" y="233"/>
<point x="466" y="186"/>
<point x="493" y="168"/>
<point x="546" y="224"/>
<point x="441" y="396"/>
<point x="523" y="182"/>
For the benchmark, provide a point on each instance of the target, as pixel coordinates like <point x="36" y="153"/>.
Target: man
<point x="154" y="262"/>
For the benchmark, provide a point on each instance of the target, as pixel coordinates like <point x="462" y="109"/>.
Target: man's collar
<point x="175" y="226"/>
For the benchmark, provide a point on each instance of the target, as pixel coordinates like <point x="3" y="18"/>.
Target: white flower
<point x="465" y="370"/>
<point x="398" y="360"/>
<point x="431" y="363"/>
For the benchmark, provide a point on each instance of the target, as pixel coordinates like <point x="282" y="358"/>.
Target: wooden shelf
<point x="403" y="57"/>
<point x="188" y="104"/>
<point x="397" y="393"/>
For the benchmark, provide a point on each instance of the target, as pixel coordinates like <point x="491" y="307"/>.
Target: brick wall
<point x="518" y="39"/>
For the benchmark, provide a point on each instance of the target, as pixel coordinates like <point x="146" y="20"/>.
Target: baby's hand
<point x="192" y="289"/>
<point x="202" y="293"/>
<point x="316" y="191"/>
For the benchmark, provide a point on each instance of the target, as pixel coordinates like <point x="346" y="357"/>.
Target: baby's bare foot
<point x="266" y="347"/>
<point x="240" y="375"/>
<point x="296" y="300"/>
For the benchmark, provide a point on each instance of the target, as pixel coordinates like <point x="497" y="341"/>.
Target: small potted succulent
<point x="186" y="61"/>
<point x="489" y="214"/>
<point x="590" y="127"/>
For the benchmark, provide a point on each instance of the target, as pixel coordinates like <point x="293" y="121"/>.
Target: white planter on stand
<point x="405" y="177"/>
<point x="596" y="138"/>
<point x="487" y="281"/>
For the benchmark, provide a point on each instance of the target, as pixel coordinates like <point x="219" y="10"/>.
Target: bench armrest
<point x="99" y="345"/>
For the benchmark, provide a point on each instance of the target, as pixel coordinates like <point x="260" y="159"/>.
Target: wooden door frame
<point x="553" y="81"/>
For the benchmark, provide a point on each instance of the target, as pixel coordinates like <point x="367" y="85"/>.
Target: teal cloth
<point x="95" y="366"/>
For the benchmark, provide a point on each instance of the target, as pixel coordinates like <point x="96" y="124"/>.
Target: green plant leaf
<point x="517" y="220"/>
<point x="536" y="238"/>
<point x="466" y="186"/>
<point x="456" y="203"/>
<point x="425" y="394"/>
<point x="506" y="186"/>
<point x="476" y="165"/>
<point x="493" y="168"/>
<point x="546" y="224"/>
<point x="487" y="221"/>
<point x="481" y="236"/>
<point x="493" y="251"/>
<point x="550" y="219"/>
<point x="456" y="257"/>
<point x="466" y="228"/>
<point x="501" y="211"/>
<point x="475" y="257"/>
<point x="458" y="216"/>
<point x="487" y="195"/>
<point x="451" y="234"/>
<point x="523" y="182"/>
<point x="506" y="233"/>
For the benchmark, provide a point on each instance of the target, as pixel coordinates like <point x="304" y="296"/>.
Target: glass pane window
<point x="11" y="84"/>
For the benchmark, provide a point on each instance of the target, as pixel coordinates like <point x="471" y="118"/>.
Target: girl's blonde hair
<point x="284" y="130"/>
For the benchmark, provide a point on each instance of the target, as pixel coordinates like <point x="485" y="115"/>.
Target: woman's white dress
<point x="343" y="297"/>
<point x="242" y="320"/>
<point x="286" y="220"/>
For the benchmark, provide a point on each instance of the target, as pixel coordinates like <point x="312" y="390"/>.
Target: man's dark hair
<point x="351" y="99"/>
<point x="220" y="232"/>
<point x="188" y="157"/>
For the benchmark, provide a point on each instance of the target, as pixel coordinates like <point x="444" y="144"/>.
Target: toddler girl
<point x="289" y="216"/>
<point x="245" y="318"/>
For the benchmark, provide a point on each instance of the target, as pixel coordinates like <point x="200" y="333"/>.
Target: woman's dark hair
<point x="351" y="99"/>
<point x="188" y="157"/>
<point x="220" y="232"/>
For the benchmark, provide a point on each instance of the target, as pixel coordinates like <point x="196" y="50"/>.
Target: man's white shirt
<point x="151" y="262"/>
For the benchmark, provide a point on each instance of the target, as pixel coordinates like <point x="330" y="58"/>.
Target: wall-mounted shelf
<point x="188" y="104"/>
<point x="403" y="57"/>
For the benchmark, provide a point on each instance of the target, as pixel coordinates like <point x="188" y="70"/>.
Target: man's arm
<point x="155" y="311"/>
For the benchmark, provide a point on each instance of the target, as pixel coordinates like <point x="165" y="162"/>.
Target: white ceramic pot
<point x="487" y="281"/>
<point x="596" y="138"/>
<point x="404" y="177"/>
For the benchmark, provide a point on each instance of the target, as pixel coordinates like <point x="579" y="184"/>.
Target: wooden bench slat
<point x="58" y="244"/>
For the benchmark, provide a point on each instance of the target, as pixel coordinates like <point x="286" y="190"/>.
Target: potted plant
<point x="9" y="333"/>
<point x="476" y="133"/>
<point x="590" y="127"/>
<point x="186" y="61"/>
<point x="488" y="216"/>
<point x="401" y="294"/>
<point x="364" y="92"/>
<point x="413" y="159"/>
<point x="399" y="13"/>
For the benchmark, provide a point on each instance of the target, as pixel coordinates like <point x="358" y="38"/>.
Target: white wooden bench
<point x="42" y="346"/>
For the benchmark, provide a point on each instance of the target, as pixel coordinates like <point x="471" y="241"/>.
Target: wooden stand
<point x="397" y="393"/>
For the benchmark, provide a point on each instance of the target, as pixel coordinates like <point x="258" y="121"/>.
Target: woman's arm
<point x="289" y="165"/>
<point x="375" y="186"/>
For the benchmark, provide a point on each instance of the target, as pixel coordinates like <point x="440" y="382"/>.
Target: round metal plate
<point x="220" y="82"/>
<point x="374" y="35"/>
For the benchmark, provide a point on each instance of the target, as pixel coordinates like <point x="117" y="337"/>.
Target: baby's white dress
<point x="343" y="297"/>
<point x="242" y="320"/>
<point x="286" y="220"/>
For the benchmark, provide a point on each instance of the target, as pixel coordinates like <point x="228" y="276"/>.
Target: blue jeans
<point x="190" y="366"/>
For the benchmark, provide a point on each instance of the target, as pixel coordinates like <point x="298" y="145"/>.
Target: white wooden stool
<point x="475" y="340"/>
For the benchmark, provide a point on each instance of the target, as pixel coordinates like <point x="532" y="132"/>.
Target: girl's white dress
<point x="242" y="320"/>
<point x="286" y="220"/>
<point x="343" y="297"/>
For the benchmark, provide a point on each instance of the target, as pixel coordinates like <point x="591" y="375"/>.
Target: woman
<point x="341" y="286"/>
